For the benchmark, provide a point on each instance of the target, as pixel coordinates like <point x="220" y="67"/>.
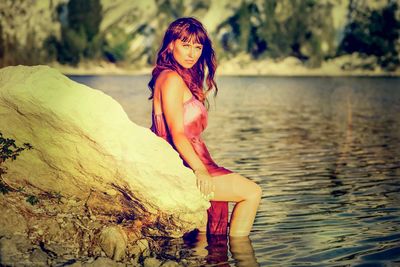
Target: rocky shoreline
<point x="63" y="232"/>
<point x="243" y="65"/>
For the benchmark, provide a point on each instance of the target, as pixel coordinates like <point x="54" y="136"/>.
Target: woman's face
<point x="186" y="53"/>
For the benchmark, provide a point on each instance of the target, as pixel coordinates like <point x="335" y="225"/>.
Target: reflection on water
<point x="326" y="152"/>
<point x="196" y="249"/>
<point x="215" y="250"/>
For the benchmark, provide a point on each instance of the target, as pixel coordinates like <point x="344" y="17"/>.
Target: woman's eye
<point x="198" y="48"/>
<point x="185" y="45"/>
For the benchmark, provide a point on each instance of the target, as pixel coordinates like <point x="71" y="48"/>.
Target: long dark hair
<point x="188" y="29"/>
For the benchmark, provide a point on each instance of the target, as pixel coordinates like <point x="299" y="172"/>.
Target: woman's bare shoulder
<point x="170" y="76"/>
<point x="169" y="79"/>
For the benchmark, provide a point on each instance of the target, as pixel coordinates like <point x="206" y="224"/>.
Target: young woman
<point x="179" y="116"/>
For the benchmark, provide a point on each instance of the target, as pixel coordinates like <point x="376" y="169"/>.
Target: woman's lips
<point x="189" y="61"/>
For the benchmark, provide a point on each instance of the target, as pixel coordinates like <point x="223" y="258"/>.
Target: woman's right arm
<point x="172" y="88"/>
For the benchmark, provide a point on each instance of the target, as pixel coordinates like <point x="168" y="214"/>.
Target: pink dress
<point x="195" y="121"/>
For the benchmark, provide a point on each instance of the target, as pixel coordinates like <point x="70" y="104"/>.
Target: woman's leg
<point x="247" y="195"/>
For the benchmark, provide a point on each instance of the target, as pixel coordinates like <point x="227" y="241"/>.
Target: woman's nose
<point x="191" y="52"/>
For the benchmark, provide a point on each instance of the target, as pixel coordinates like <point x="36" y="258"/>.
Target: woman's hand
<point x="205" y="184"/>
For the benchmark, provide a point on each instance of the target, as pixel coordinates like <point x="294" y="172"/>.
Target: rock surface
<point x="113" y="241"/>
<point x="92" y="171"/>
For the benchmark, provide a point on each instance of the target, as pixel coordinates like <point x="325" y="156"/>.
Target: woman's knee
<point x="249" y="189"/>
<point x="235" y="187"/>
<point x="257" y="191"/>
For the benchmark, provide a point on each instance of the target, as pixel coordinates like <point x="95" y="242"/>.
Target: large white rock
<point x="84" y="142"/>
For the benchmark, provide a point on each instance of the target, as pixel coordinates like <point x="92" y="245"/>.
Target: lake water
<point x="326" y="152"/>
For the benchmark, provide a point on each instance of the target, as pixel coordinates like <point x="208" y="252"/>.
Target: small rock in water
<point x="151" y="262"/>
<point x="103" y="262"/>
<point x="170" y="264"/>
<point x="38" y="257"/>
<point x="13" y="250"/>
<point x="113" y="241"/>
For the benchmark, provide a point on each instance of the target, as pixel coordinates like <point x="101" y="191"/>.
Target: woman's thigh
<point x="234" y="187"/>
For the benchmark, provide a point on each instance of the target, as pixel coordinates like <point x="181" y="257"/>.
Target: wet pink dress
<point x="195" y="121"/>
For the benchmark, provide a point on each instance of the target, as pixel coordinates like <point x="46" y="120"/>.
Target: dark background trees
<point x="276" y="29"/>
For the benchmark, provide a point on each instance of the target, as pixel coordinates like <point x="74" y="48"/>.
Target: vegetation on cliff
<point x="128" y="34"/>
